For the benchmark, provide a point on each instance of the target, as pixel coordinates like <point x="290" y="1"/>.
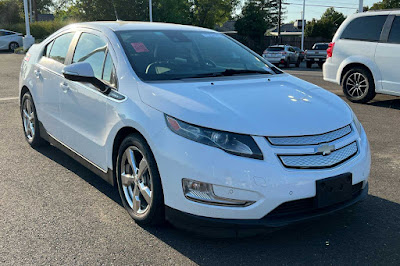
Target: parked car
<point x="282" y="54"/>
<point x="364" y="55"/>
<point x="300" y="53"/>
<point x="10" y="40"/>
<point x="192" y="126"/>
<point x="317" y="54"/>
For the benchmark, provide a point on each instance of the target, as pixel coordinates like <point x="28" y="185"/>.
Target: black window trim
<point x="362" y="40"/>
<point x="53" y="39"/>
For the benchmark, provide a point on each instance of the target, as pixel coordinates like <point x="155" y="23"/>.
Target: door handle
<point x="37" y="73"/>
<point x="64" y="86"/>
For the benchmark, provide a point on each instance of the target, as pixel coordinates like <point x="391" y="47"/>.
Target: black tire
<point x="320" y="64"/>
<point x="287" y="63"/>
<point x="33" y="138"/>
<point x="298" y="63"/>
<point x="12" y="46"/>
<point x="155" y="213"/>
<point x="309" y="64"/>
<point x="367" y="94"/>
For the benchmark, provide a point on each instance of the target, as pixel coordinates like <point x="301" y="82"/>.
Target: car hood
<point x="280" y="105"/>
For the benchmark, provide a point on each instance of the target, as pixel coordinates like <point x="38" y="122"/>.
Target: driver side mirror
<point x="83" y="72"/>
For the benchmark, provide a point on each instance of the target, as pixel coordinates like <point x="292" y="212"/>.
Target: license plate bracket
<point x="333" y="190"/>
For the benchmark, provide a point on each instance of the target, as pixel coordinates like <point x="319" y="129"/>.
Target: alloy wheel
<point x="136" y="180"/>
<point x="14" y="46"/>
<point x="357" y="85"/>
<point x="28" y="117"/>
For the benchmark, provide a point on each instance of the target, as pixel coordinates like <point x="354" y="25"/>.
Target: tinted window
<point x="275" y="49"/>
<point x="394" y="36"/>
<point x="60" y="47"/>
<point x="365" y="28"/>
<point x="109" y="71"/>
<point x="91" y="49"/>
<point x="320" y="46"/>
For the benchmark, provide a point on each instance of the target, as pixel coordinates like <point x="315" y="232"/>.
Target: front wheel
<point x="358" y="85"/>
<point x="139" y="182"/>
<point x="13" y="46"/>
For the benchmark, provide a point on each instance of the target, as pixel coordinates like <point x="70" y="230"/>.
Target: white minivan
<point x="364" y="55"/>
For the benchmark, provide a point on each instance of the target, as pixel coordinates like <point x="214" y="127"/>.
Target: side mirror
<point x="83" y="72"/>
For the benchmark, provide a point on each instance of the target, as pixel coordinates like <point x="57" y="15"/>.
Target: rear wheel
<point x="30" y="122"/>
<point x="287" y="64"/>
<point x="13" y="46"/>
<point x="139" y="182"/>
<point x="358" y="85"/>
<point x="309" y="64"/>
<point x="298" y="62"/>
<point x="320" y="64"/>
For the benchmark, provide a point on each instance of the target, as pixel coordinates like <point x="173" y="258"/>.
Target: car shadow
<point x="390" y="103"/>
<point x="5" y="52"/>
<point x="367" y="233"/>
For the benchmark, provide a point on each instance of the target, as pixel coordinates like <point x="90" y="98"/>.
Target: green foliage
<point x="40" y="30"/>
<point x="257" y="17"/>
<point x="386" y="4"/>
<point x="326" y="26"/>
<point x="208" y="13"/>
<point x="172" y="11"/>
<point x="10" y="12"/>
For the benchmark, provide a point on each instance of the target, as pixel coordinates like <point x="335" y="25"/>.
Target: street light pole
<point x="302" y="24"/>
<point x="28" y="40"/>
<point x="360" y="6"/>
<point x="150" y="11"/>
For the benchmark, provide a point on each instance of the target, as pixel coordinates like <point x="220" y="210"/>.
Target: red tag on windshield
<point x="139" y="47"/>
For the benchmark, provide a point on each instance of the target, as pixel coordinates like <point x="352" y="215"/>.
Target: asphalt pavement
<point x="55" y="211"/>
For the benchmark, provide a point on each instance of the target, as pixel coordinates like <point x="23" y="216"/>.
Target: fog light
<point x="204" y="193"/>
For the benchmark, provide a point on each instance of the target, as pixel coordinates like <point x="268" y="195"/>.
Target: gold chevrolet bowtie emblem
<point x="325" y="149"/>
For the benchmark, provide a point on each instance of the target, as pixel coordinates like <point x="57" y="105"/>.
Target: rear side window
<point x="394" y="36"/>
<point x="275" y="49"/>
<point x="60" y="47"/>
<point x="91" y="49"/>
<point x="320" y="46"/>
<point x="364" y="28"/>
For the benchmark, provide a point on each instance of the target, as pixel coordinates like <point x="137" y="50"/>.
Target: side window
<point x="60" y="47"/>
<point x="109" y="71"/>
<point x="367" y="28"/>
<point x="47" y="50"/>
<point x="394" y="36"/>
<point x="91" y="49"/>
<point x="1" y="33"/>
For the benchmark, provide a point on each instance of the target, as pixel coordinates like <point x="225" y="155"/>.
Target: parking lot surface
<point x="55" y="211"/>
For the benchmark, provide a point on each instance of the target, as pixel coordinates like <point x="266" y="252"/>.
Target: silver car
<point x="282" y="54"/>
<point x="10" y="40"/>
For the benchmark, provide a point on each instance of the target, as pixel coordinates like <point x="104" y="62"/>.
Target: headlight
<point x="357" y="124"/>
<point x="237" y="144"/>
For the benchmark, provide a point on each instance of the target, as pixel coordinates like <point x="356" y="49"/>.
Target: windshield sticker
<point x="139" y="47"/>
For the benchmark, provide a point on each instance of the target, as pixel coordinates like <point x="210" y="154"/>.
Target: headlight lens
<point x="357" y="124"/>
<point x="237" y="144"/>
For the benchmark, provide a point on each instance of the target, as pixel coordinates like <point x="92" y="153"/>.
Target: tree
<point x="173" y="11"/>
<point x="257" y="17"/>
<point x="10" y="12"/>
<point x="326" y="26"/>
<point x="386" y="4"/>
<point x="208" y="13"/>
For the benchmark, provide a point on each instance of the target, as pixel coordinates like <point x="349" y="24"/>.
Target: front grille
<point x="317" y="161"/>
<point x="305" y="205"/>
<point x="311" y="140"/>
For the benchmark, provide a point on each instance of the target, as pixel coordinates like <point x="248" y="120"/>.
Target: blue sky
<point x="295" y="7"/>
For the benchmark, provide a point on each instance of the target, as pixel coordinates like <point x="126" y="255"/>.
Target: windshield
<point x="172" y="55"/>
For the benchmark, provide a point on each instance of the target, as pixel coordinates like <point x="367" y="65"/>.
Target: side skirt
<point x="107" y="176"/>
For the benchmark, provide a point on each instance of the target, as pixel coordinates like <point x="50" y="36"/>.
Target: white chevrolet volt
<point x="192" y="126"/>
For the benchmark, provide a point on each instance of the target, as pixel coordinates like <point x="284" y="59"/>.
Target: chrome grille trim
<point x="318" y="161"/>
<point x="312" y="139"/>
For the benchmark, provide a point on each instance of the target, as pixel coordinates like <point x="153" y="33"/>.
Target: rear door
<point x="49" y="78"/>
<point x="387" y="55"/>
<point x="83" y="106"/>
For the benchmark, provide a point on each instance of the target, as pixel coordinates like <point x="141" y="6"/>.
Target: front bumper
<point x="231" y="226"/>
<point x="266" y="182"/>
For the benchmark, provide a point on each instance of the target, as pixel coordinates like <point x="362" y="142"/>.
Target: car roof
<point x="136" y="25"/>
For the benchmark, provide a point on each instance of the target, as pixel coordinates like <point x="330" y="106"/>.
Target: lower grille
<point x="316" y="161"/>
<point x="304" y="205"/>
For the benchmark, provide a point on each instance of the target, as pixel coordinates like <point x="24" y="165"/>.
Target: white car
<point x="282" y="54"/>
<point x="364" y="55"/>
<point x="192" y="126"/>
<point x="10" y="40"/>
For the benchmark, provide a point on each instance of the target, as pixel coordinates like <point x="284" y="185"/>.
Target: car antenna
<point x="115" y="11"/>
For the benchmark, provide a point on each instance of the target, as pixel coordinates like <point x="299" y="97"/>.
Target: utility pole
<point x="28" y="40"/>
<point x="279" y="21"/>
<point x="30" y="11"/>
<point x="360" y="6"/>
<point x="302" y="24"/>
<point x="150" y="11"/>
